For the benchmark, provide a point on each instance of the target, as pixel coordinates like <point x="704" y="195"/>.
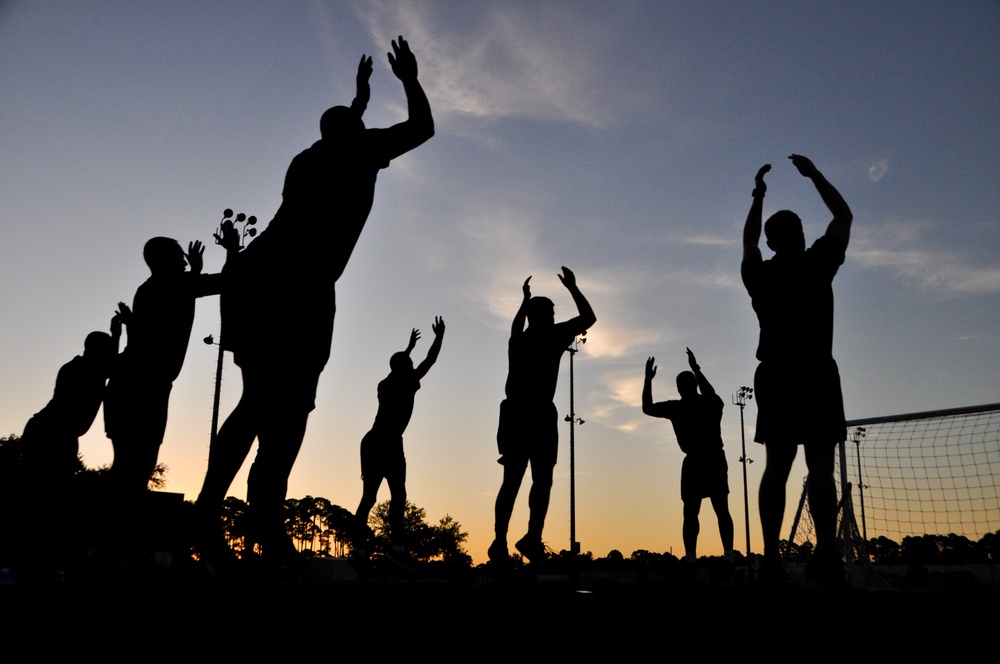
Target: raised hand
<point x="691" y="361"/>
<point x="402" y="60"/>
<point x="364" y="69"/>
<point x="414" y="335"/>
<point x="438" y="326"/>
<point x="526" y="289"/>
<point x="758" y="180"/>
<point x="195" y="256"/>
<point x="805" y="166"/>
<point x="650" y="368"/>
<point x="567" y="278"/>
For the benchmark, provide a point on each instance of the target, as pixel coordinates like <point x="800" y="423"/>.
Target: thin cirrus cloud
<point x="507" y="65"/>
<point x="942" y="272"/>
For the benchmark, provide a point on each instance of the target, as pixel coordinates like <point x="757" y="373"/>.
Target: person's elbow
<point x="427" y="128"/>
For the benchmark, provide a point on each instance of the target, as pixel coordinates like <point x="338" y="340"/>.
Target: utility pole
<point x="574" y="546"/>
<point x="247" y="231"/>
<point x="742" y="396"/>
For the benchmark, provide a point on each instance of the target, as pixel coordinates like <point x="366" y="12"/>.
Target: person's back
<point x="697" y="422"/>
<point x="792" y="294"/>
<point x="533" y="362"/>
<point x="396" y="395"/>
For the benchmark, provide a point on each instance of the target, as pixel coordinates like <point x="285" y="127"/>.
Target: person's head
<point x="783" y="231"/>
<point x="401" y="362"/>
<point x="164" y="255"/>
<point x="339" y="122"/>
<point x="541" y="312"/>
<point x="99" y="346"/>
<point x="687" y="384"/>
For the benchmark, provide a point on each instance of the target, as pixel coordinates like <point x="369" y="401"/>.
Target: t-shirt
<point x="533" y="358"/>
<point x="396" y="394"/>
<point x="697" y="422"/>
<point x="792" y="294"/>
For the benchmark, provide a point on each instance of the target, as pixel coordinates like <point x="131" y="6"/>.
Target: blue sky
<point x="619" y="141"/>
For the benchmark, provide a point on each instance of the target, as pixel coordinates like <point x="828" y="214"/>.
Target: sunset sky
<point x="619" y="139"/>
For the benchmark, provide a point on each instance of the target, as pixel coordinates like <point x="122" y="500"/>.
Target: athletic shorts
<point x="799" y="403"/>
<point x="382" y="456"/>
<point x="704" y="476"/>
<point x="528" y="432"/>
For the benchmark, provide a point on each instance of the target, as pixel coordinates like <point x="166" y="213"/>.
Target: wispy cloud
<point x="877" y="170"/>
<point x="942" y="272"/>
<point x="705" y="240"/>
<point x="505" y="61"/>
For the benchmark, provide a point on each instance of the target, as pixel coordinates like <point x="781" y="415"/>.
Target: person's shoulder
<point x="827" y="248"/>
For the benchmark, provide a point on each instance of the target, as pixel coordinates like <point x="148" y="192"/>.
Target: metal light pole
<point x="218" y="388"/>
<point x="247" y="231"/>
<point x="859" y="433"/>
<point x="574" y="546"/>
<point x="745" y="394"/>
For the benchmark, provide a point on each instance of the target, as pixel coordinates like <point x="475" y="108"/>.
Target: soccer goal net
<point x="921" y="474"/>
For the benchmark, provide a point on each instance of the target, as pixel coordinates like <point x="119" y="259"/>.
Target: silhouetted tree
<point x="424" y="542"/>
<point x="883" y="550"/>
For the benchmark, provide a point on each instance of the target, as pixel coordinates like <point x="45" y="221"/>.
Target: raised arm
<point x="414" y="337"/>
<point x="840" y="225"/>
<point x="517" y="327"/>
<point x="703" y="385"/>
<point x="419" y="126"/>
<point x="364" y="92"/>
<point x="752" y="227"/>
<point x="647" y="387"/>
<point x="432" y="353"/>
<point x="122" y="317"/>
<point x="587" y="317"/>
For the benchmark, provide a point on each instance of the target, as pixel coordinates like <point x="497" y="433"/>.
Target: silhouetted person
<point x="797" y="383"/>
<point x="44" y="485"/>
<point x="382" y="447"/>
<point x="528" y="431"/>
<point x="159" y="328"/>
<point x="51" y="436"/>
<point x="278" y="313"/>
<point x="697" y="421"/>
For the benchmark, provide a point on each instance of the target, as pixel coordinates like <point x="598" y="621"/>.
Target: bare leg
<point x="771" y="498"/>
<point x="279" y="441"/>
<point x="721" y="506"/>
<point x="368" y="499"/>
<point x="538" y="499"/>
<point x="822" y="496"/>
<point x="397" y="507"/>
<point x="691" y="528"/>
<point x="513" y="473"/>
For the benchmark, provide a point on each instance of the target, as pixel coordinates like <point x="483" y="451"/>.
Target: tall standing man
<point x="697" y="421"/>
<point x="278" y="307"/>
<point x="797" y="383"/>
<point x="528" y="431"/>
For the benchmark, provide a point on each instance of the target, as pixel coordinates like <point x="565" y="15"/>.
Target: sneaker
<point x="498" y="553"/>
<point x="531" y="548"/>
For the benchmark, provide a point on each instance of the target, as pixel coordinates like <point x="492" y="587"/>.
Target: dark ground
<point x="484" y="620"/>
